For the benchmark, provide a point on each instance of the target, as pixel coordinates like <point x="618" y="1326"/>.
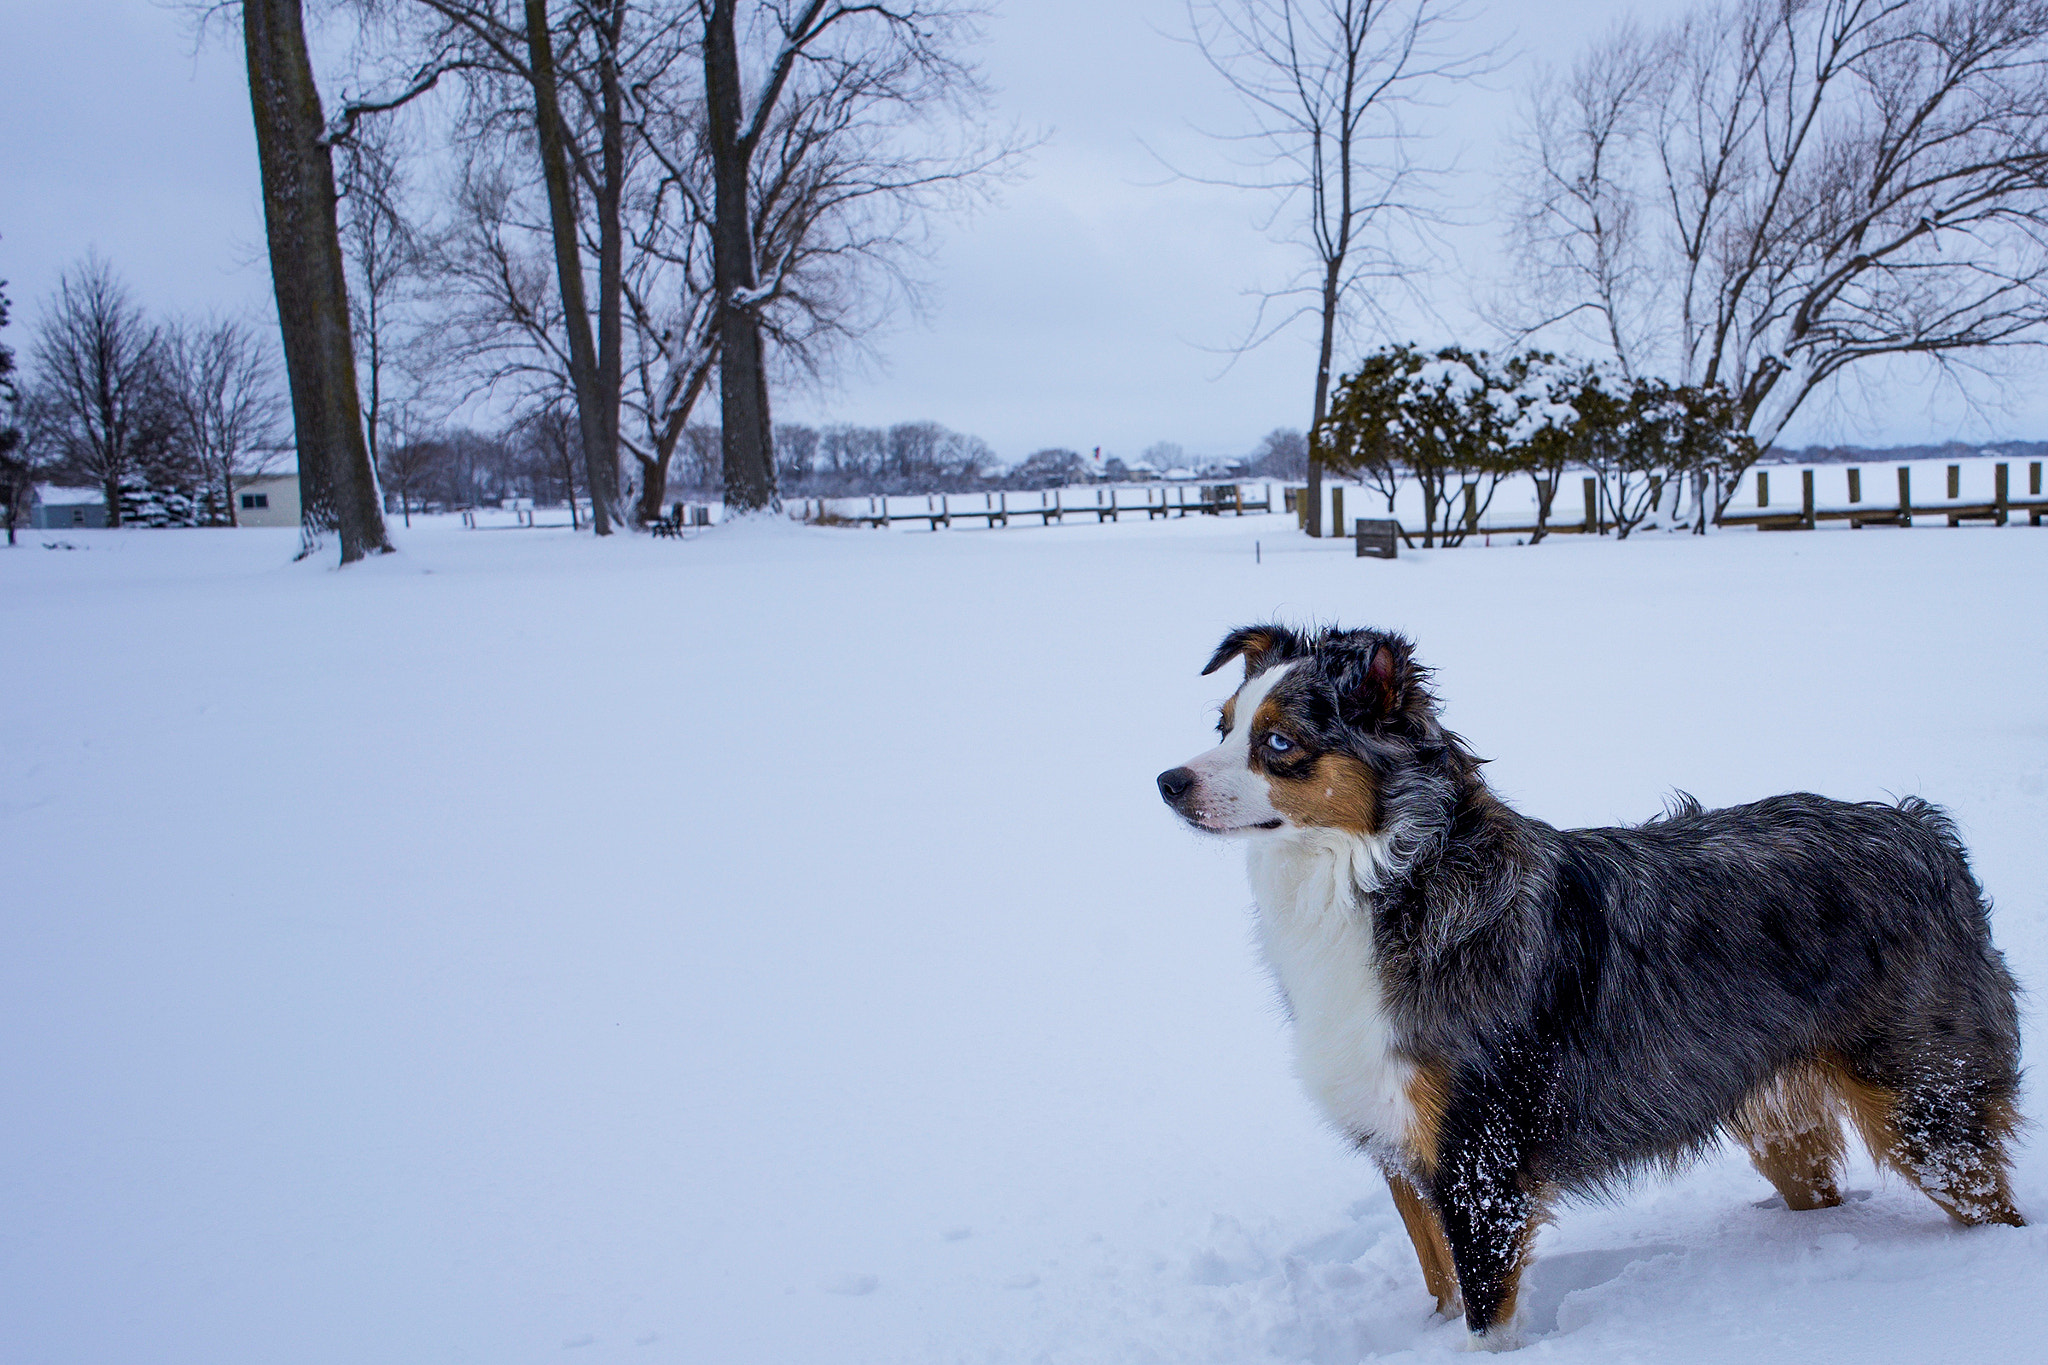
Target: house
<point x="51" y="508"/>
<point x="268" y="500"/>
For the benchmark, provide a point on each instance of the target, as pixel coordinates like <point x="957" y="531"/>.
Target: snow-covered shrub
<point x="1459" y="422"/>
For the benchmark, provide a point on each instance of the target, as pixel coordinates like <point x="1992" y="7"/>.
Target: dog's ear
<point x="1262" y="647"/>
<point x="1380" y="682"/>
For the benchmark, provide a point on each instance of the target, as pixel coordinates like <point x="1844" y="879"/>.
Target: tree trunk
<point x="746" y="437"/>
<point x="1315" y="431"/>
<point x="337" y="485"/>
<point x="375" y="350"/>
<point x="654" y="472"/>
<point x="599" y="431"/>
<point x="610" y="237"/>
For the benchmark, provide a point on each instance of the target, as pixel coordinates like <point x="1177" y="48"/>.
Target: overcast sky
<point x="1087" y="308"/>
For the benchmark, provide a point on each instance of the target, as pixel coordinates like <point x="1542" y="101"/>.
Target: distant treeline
<point x="539" y="457"/>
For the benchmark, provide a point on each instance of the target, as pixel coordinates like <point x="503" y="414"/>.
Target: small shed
<point x="268" y="500"/>
<point x="53" y="508"/>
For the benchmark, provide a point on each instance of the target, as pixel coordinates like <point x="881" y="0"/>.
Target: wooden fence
<point x="1057" y="504"/>
<point x="1858" y="513"/>
<point x="2002" y="506"/>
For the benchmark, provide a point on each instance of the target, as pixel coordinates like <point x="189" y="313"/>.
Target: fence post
<point x="1955" y="481"/>
<point x="1337" y="509"/>
<point x="2034" y="479"/>
<point x="1763" y="489"/>
<point x="1592" y="509"/>
<point x="1806" y="497"/>
<point x="1855" y="485"/>
<point x="1905" y="495"/>
<point x="2003" y="485"/>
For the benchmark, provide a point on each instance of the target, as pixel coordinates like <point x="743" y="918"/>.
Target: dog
<point x="1502" y="1014"/>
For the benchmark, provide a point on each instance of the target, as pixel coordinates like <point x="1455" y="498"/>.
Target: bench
<point x="1377" y="538"/>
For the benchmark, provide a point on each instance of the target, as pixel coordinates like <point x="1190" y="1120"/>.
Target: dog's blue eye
<point x="1279" y="744"/>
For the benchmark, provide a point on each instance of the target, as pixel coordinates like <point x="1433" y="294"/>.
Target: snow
<point x="770" y="947"/>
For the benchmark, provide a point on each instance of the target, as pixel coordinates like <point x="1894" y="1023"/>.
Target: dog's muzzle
<point x="1175" y="784"/>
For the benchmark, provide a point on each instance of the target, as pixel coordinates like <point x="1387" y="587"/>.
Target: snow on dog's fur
<point x="1500" y="1012"/>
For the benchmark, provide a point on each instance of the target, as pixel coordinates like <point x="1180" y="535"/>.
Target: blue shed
<point x="51" y="508"/>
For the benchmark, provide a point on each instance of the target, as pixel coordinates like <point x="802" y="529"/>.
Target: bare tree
<point x="572" y="70"/>
<point x="834" y="193"/>
<point x="220" y="383"/>
<point x="1579" y="230"/>
<point x="501" y="313"/>
<point x="337" y="485"/>
<point x="809" y="108"/>
<point x="550" y="435"/>
<point x="386" y="260"/>
<point x="1832" y="181"/>
<point x="18" y="455"/>
<point x="408" y="468"/>
<point x="1328" y="88"/>
<point x="560" y="103"/>
<point x="508" y="322"/>
<point x="594" y="363"/>
<point x="96" y="359"/>
<point x="1282" y="453"/>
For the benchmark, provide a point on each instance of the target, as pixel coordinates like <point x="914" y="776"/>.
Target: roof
<point x="52" y="495"/>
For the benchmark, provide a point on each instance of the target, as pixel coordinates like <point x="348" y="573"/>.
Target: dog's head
<point x="1309" y="737"/>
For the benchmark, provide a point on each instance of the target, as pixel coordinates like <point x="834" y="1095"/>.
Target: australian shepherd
<point x="1501" y="1013"/>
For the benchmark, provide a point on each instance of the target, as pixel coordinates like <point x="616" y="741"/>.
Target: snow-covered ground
<point x="770" y="947"/>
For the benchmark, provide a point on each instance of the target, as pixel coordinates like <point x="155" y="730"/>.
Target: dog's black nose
<point x="1175" y="782"/>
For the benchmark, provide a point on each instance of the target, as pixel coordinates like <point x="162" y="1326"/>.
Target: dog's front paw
<point x="1502" y="1337"/>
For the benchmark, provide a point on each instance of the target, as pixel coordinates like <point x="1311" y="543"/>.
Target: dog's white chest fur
<point x="1318" y="943"/>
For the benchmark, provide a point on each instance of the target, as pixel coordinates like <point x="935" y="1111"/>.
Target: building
<point x="268" y="500"/>
<point x="51" y="508"/>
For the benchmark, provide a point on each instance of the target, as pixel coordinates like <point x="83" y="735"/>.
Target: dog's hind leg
<point x="1944" y="1130"/>
<point x="1793" y="1137"/>
<point x="1427" y="1233"/>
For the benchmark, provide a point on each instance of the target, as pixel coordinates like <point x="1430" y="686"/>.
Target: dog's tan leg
<point x="1794" y="1139"/>
<point x="1430" y="1248"/>
<point x="1956" y="1159"/>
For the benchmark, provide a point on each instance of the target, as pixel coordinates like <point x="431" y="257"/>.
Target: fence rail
<point x="1057" y="504"/>
<point x="1999" y="509"/>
